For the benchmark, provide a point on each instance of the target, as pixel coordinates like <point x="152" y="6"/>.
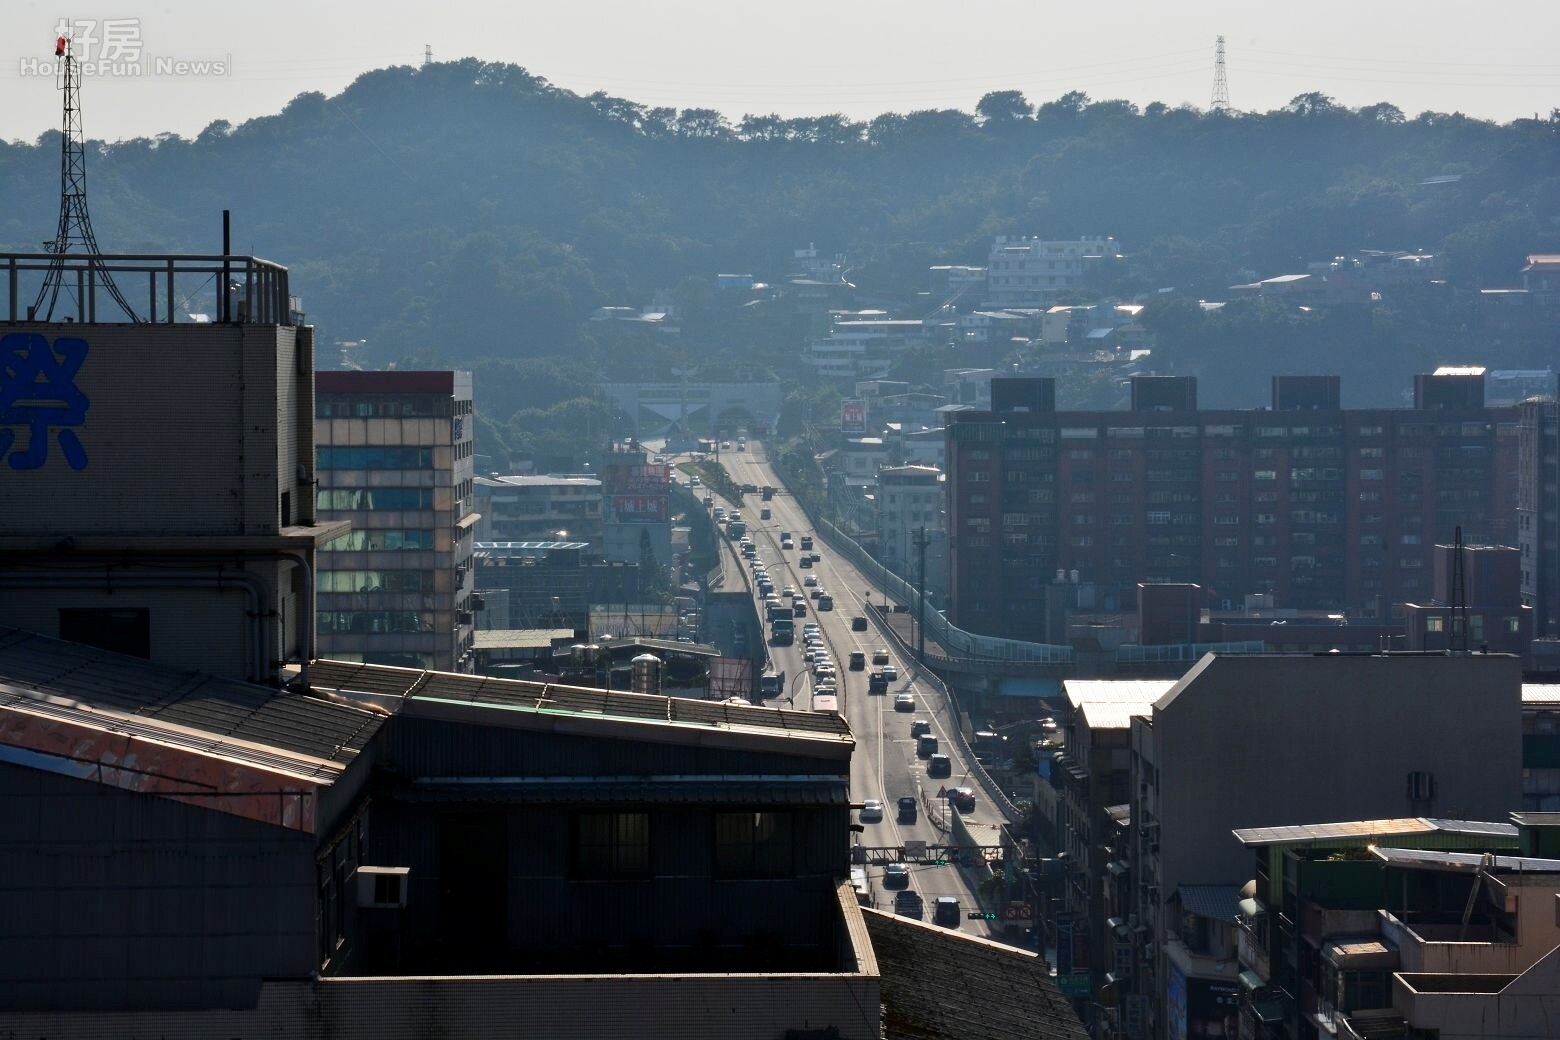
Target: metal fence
<point x="164" y="288"/>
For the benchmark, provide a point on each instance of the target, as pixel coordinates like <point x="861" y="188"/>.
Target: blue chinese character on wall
<point x="38" y="393"/>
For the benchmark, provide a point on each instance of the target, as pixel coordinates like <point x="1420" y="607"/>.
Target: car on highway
<point x="720" y="513"/>
<point x="786" y="543"/>
<point x="790" y="592"/>
<point x="858" y="623"/>
<point x="806" y="563"/>
<point x="725" y="445"/>
<point x="799" y="607"/>
<point x="695" y="481"/>
<point x="811" y="581"/>
<point x="763" y="514"/>
<point x="825" y="602"/>
<point x="910" y="904"/>
<point x="904" y="702"/>
<point x="896" y="875"/>
<point x="812" y="626"/>
<point x="925" y="746"/>
<point x="815" y="558"/>
<point x="817" y="591"/>
<point x="871" y="811"/>
<point x="939" y="766"/>
<point x="919" y="726"/>
<point x="858" y="660"/>
<point x="963" y="799"/>
<point x="908" y="807"/>
<point x="876" y="683"/>
<point x="880" y="655"/>
<point x="890" y="672"/>
<point x="945" y="911"/>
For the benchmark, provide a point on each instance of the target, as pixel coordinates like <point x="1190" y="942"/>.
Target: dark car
<point x="910" y="904"/>
<point x="919" y="726"/>
<point x="908" y="808"/>
<point x="858" y="623"/>
<point x="896" y="875"/>
<point x="946" y="911"/>
<point x="939" y="766"/>
<point x="963" y="799"/>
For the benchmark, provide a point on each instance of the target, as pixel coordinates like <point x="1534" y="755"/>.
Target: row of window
<point x="615" y="846"/>
<point x="374" y="498"/>
<point x="377" y="540"/>
<point x="365" y="456"/>
<point x="376" y="581"/>
<point x="372" y="622"/>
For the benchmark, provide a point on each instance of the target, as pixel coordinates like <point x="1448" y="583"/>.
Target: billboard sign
<point x="853" y="416"/>
<point x="639" y="509"/>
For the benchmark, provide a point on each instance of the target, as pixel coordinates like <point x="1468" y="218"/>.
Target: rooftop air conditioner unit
<point x="382" y="888"/>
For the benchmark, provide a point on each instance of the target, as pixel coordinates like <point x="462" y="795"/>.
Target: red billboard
<point x="853" y="416"/>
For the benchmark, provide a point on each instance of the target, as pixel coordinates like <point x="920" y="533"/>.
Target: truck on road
<point x="782" y="631"/>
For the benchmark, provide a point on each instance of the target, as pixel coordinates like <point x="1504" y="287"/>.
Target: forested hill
<point x="475" y="210"/>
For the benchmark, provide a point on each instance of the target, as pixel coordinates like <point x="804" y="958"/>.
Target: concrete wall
<point x="1265" y="741"/>
<point x="1525" y="1009"/>
<point x="187" y="429"/>
<point x="113" y="900"/>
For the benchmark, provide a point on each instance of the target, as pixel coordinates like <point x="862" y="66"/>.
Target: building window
<point x="1435" y="624"/>
<point x="120" y="630"/>
<point x="754" y="845"/>
<point x="611" y="846"/>
<point x="375" y="498"/>
<point x="377" y="539"/>
<point x="373" y="457"/>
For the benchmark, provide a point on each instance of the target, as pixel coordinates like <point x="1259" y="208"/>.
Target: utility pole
<point x="1221" y="84"/>
<point x="920" y="543"/>
<point x="75" y="227"/>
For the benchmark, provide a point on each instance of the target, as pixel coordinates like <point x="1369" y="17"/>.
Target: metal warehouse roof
<point x="1220" y="902"/>
<point x="1464" y="862"/>
<point x="1115" y="691"/>
<point x="1254" y="836"/>
<point x="223" y="715"/>
<point x="538" y="705"/>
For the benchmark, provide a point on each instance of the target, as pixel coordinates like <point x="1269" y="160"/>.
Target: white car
<point x="871" y="811"/>
<point x="890" y="672"/>
<point x="790" y="592"/>
<point x="811" y="628"/>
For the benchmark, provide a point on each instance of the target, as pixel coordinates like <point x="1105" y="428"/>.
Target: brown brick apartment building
<point x="1322" y="506"/>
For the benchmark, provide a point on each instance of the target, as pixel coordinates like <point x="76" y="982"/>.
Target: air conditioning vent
<point x="382" y="888"/>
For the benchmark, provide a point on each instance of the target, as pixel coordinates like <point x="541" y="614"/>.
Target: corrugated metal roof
<point x="1219" y="902"/>
<point x="1115" y="691"/>
<point x="1540" y="693"/>
<point x="392" y="687"/>
<point x="520" y="638"/>
<point x="94" y="680"/>
<point x="928" y="972"/>
<point x="1463" y="862"/>
<point x="1115" y="715"/>
<point x="1363" y="829"/>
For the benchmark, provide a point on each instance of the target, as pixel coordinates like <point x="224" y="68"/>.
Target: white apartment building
<point x="863" y="348"/>
<point x="1025" y="271"/>
<point x="909" y="498"/>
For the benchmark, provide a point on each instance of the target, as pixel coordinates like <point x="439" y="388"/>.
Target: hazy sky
<point x="1495" y="59"/>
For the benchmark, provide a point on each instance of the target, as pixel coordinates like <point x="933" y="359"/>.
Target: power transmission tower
<point x="1221" y="84"/>
<point x="75" y="227"/>
<point x="427" y="55"/>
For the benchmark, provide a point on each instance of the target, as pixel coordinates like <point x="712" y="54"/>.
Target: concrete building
<point x="542" y="508"/>
<point x="1311" y="950"/>
<point x="1538" y="511"/>
<point x="1326" y="508"/>
<point x="636" y="506"/>
<point x="1030" y="272"/>
<point x="863" y="345"/>
<point x="909" y="500"/>
<point x="1297" y="739"/>
<point x="156" y="496"/>
<point x="395" y="454"/>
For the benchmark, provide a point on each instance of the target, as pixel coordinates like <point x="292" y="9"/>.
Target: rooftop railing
<point x="163" y="289"/>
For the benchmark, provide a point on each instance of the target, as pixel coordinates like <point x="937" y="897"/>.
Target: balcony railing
<point x="160" y="288"/>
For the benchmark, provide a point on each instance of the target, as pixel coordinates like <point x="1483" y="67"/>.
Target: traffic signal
<point x="981" y="915"/>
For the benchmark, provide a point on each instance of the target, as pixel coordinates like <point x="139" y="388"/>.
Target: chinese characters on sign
<point x="39" y="397"/>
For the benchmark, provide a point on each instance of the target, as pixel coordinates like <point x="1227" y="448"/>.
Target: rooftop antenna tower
<point x="427" y="55"/>
<point x="75" y="229"/>
<point x="1221" y="85"/>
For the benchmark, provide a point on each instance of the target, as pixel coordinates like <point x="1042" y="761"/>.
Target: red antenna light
<point x="59" y="47"/>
